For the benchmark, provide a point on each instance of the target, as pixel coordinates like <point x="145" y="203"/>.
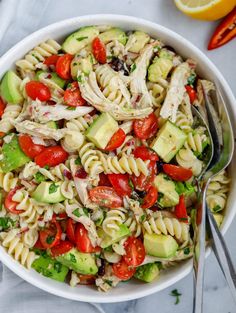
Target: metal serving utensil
<point x="222" y="147"/>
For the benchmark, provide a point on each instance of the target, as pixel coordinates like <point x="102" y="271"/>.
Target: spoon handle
<point x="199" y="252"/>
<point x="222" y="253"/>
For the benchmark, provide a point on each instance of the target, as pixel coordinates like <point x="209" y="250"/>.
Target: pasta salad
<point x="99" y="155"/>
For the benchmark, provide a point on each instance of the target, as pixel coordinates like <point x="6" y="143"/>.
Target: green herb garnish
<point x="108" y="249"/>
<point x="191" y="79"/>
<point x="50" y="239"/>
<point x="109" y="282"/>
<point x="132" y="67"/>
<point x="72" y="258"/>
<point x="53" y="188"/>
<point x="5" y="223"/>
<point x="78" y="161"/>
<point x="81" y="38"/>
<point x="175" y="293"/>
<point x="57" y="267"/>
<point x="79" y="78"/>
<point x="131" y="184"/>
<point x="186" y="250"/>
<point x="39" y="177"/>
<point x="142" y="218"/>
<point x="217" y="208"/>
<point x="78" y="213"/>
<point x="71" y="108"/>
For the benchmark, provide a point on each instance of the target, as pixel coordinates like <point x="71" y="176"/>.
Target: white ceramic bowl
<point x="132" y="289"/>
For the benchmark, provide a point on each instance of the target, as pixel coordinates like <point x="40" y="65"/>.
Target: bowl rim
<point x="88" y="19"/>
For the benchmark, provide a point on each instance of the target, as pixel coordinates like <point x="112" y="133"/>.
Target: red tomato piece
<point x="135" y="252"/>
<point x="11" y="205"/>
<point x="142" y="182"/>
<point x="105" y="196"/>
<point x="72" y="96"/>
<point x="103" y="180"/>
<point x="99" y="50"/>
<point x="61" y="248"/>
<point x="122" y="270"/>
<point x="2" y="107"/>
<point x="29" y="147"/>
<point x="52" y="60"/>
<point x="181" y="211"/>
<point x="177" y="172"/>
<point x="82" y="240"/>
<point x="70" y="229"/>
<point x="145" y="153"/>
<point x="150" y="198"/>
<point x="38" y="245"/>
<point x="146" y="127"/>
<point x="116" y="140"/>
<point x="51" y="156"/>
<point x="191" y="93"/>
<point x="88" y="279"/>
<point x="37" y="90"/>
<point x="51" y="236"/>
<point x="120" y="183"/>
<point x="224" y="32"/>
<point x="63" y="66"/>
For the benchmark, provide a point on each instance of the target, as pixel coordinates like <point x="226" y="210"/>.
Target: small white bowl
<point x="132" y="289"/>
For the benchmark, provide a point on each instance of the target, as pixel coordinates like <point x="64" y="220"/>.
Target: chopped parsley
<point x="50" y="239"/>
<point x="78" y="161"/>
<point x="131" y="184"/>
<point x="109" y="282"/>
<point x="175" y="293"/>
<point x="45" y="272"/>
<point x="71" y="108"/>
<point x="132" y="67"/>
<point x="72" y="258"/>
<point x="78" y="213"/>
<point x="217" y="208"/>
<point x="142" y="218"/>
<point x="81" y="38"/>
<point x="75" y="63"/>
<point x="46" y="167"/>
<point x="192" y="79"/>
<point x="186" y="250"/>
<point x="156" y="49"/>
<point x="53" y="188"/>
<point x="5" y="223"/>
<point x="57" y="267"/>
<point x="39" y="177"/>
<point x="108" y="249"/>
<point x="79" y="78"/>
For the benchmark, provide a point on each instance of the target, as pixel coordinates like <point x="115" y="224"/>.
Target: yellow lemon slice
<point x="206" y="9"/>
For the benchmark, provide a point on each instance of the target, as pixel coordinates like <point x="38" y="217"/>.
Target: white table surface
<point x="217" y="297"/>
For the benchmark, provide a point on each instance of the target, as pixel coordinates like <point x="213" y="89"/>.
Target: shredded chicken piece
<point x="107" y="281"/>
<point x="176" y="92"/>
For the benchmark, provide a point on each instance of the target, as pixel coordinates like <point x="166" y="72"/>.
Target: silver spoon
<point x="222" y="142"/>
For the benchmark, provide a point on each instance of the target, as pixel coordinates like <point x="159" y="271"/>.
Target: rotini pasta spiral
<point x="30" y="237"/>
<point x="38" y="55"/>
<point x="183" y="122"/>
<point x="67" y="189"/>
<point x="167" y="225"/>
<point x="157" y="92"/>
<point x="90" y="160"/>
<point x="113" y="220"/>
<point x="10" y="114"/>
<point x="8" y="181"/>
<point x="128" y="146"/>
<point x="12" y="242"/>
<point x="195" y="142"/>
<point x="187" y="159"/>
<point x="217" y="192"/>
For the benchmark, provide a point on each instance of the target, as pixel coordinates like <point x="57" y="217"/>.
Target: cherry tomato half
<point x="99" y="50"/>
<point x="105" y="196"/>
<point x="70" y="229"/>
<point x="51" y="156"/>
<point x="37" y="90"/>
<point x="145" y="153"/>
<point x="61" y="248"/>
<point x="177" y="172"/>
<point x="146" y="127"/>
<point x="116" y="140"/>
<point x="38" y="245"/>
<point x="82" y="240"/>
<point x="72" y="96"/>
<point x="150" y="198"/>
<point x="63" y="66"/>
<point x="191" y="93"/>
<point x="122" y="270"/>
<point x="86" y="279"/>
<point x="120" y="183"/>
<point x="181" y="211"/>
<point x="135" y="252"/>
<point x="50" y="236"/>
<point x="142" y="182"/>
<point x="11" y="205"/>
<point x="29" y="147"/>
<point x="52" y="60"/>
<point x="2" y="107"/>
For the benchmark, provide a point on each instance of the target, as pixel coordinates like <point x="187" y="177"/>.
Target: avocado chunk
<point x="101" y="130"/>
<point x="108" y="240"/>
<point x="10" y="88"/>
<point x="139" y="40"/>
<point x="168" y="141"/>
<point x="54" y="77"/>
<point x="160" y="68"/>
<point x="162" y="246"/>
<point x="147" y="272"/>
<point x="166" y="188"/>
<point x="79" y="39"/>
<point x="52" y="125"/>
<point x="48" y="192"/>
<point x="50" y="268"/>
<point x="13" y="156"/>
<point x="85" y="65"/>
<point x="218" y="218"/>
<point x="113" y="34"/>
<point x="83" y="263"/>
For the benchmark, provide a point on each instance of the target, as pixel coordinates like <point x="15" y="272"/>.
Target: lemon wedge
<point x="206" y="9"/>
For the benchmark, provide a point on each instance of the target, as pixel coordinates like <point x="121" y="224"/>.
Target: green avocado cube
<point x="10" y="88"/>
<point x="101" y="130"/>
<point x="147" y="272"/>
<point x="139" y="40"/>
<point x="108" y="240"/>
<point x="114" y="34"/>
<point x="168" y="141"/>
<point x="48" y="192"/>
<point x="162" y="246"/>
<point x="83" y="263"/>
<point x="13" y="156"/>
<point x="50" y="268"/>
<point x="54" y="77"/>
<point x="167" y="191"/>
